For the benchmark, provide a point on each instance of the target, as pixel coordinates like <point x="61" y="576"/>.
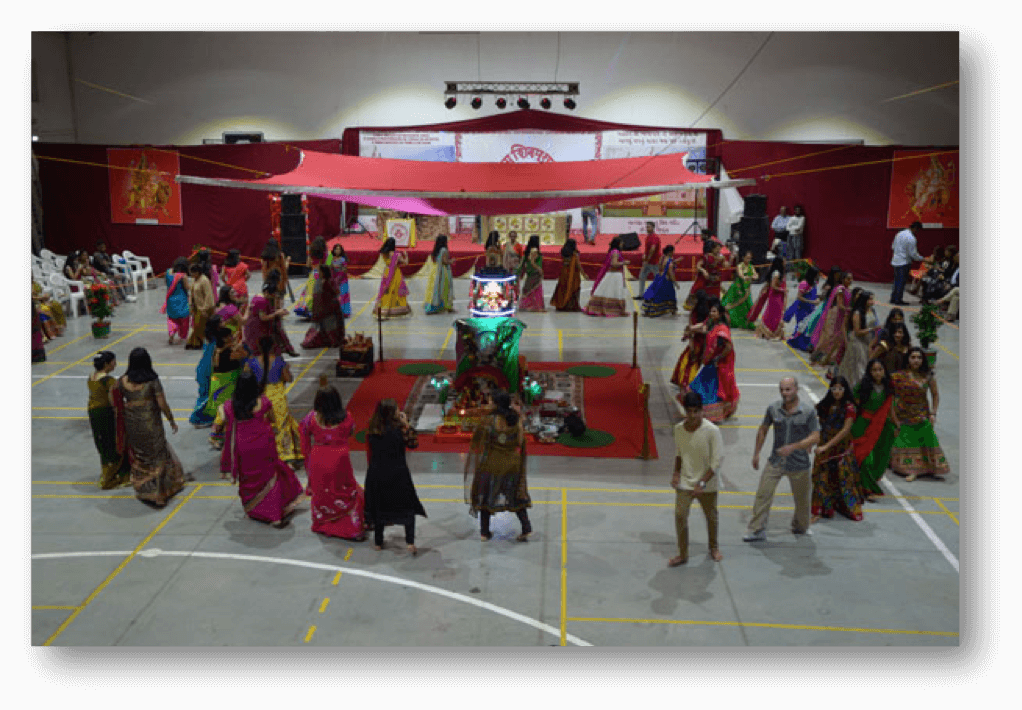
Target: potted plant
<point x="97" y="297"/>
<point x="927" y="322"/>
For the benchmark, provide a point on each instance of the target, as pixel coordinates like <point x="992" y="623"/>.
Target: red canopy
<point x="437" y="188"/>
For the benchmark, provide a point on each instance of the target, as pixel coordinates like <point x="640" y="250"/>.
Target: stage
<point x="363" y="255"/>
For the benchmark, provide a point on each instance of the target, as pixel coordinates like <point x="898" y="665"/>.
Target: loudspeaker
<point x="294" y="247"/>
<point x="574" y="425"/>
<point x="630" y="241"/>
<point x="292" y="226"/>
<point x="755" y="206"/>
<point x="754" y="236"/>
<point x="290" y="203"/>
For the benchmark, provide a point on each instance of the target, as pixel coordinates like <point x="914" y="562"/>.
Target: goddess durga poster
<point x="924" y="188"/>
<point x="142" y="186"/>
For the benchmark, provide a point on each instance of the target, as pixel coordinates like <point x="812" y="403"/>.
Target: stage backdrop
<point x="142" y="186"/>
<point x="844" y="191"/>
<point x="76" y="200"/>
<point x="924" y="188"/>
<point x="529" y="136"/>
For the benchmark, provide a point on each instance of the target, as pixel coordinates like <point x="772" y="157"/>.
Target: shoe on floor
<point x="796" y="531"/>
<point x="130" y="299"/>
<point x="758" y="536"/>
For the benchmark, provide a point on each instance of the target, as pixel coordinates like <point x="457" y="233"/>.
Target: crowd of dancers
<point x="878" y="412"/>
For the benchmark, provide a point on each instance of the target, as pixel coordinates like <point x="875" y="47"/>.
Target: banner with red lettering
<point x="924" y="188"/>
<point x="142" y="186"/>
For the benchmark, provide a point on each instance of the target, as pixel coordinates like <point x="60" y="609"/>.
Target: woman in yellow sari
<point x="273" y="375"/>
<point x="50" y="311"/>
<point x="392" y="299"/>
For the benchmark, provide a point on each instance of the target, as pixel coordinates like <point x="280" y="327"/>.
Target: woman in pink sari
<point x="715" y="382"/>
<point x="829" y="337"/>
<point x="773" y="296"/>
<point x="338" y="502"/>
<point x="392" y="299"/>
<point x="269" y="489"/>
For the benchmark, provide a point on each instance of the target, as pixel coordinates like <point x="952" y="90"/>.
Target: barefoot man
<point x="699" y="449"/>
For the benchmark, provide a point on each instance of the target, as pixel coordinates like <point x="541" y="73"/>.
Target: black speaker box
<point x="754" y="236"/>
<point x="290" y="203"/>
<point x="630" y="241"/>
<point x="294" y="247"/>
<point x="755" y="206"/>
<point x="292" y="226"/>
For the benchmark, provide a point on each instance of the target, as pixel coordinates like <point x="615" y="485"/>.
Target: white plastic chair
<point x="142" y="262"/>
<point x="131" y="274"/>
<point x="55" y="259"/>
<point x="73" y="297"/>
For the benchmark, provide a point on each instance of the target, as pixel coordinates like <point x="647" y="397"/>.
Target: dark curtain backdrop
<point x="846" y="209"/>
<point x="523" y="120"/>
<point x="76" y="201"/>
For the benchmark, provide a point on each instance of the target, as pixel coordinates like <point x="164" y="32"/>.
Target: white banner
<point x="436" y="146"/>
<point x="634" y="144"/>
<point x="526" y="147"/>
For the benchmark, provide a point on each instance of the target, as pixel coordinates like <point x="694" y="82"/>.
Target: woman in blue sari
<point x="805" y="299"/>
<point x="801" y="339"/>
<point x="200" y="418"/>
<point x="660" y="298"/>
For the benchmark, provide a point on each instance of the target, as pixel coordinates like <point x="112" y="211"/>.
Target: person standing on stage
<point x="698" y="451"/>
<point x="796" y="229"/>
<point x="589" y="217"/>
<point x="796" y="431"/>
<point x="650" y="258"/>
<point x="905" y="252"/>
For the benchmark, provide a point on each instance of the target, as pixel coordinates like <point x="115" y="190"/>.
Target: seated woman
<point x="338" y="502"/>
<point x="390" y="494"/>
<point x="269" y="490"/>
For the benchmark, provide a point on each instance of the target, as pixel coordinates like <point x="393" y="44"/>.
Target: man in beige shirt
<point x="699" y="449"/>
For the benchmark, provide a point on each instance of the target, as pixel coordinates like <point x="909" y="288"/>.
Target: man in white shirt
<point x="780" y="224"/>
<point x="699" y="449"/>
<point x="796" y="226"/>
<point x="905" y="252"/>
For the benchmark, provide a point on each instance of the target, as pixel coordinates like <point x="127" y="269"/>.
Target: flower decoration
<point x="97" y="297"/>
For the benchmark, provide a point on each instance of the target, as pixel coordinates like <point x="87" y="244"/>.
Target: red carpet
<point x="363" y="250"/>
<point x="611" y="405"/>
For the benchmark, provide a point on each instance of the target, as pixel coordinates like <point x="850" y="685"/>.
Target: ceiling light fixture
<point x="501" y="103"/>
<point x="523" y="103"/>
<point x="545" y="103"/>
<point x="477" y="103"/>
<point x="450" y="102"/>
<point x="569" y="103"/>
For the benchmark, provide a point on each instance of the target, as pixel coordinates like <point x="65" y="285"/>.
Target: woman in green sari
<point x="916" y="451"/>
<point x="440" y="281"/>
<point x="875" y="428"/>
<point x="738" y="299"/>
<point x="116" y="469"/>
<point x="229" y="359"/>
<point x="530" y="275"/>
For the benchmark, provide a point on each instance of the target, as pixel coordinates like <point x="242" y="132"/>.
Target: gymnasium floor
<point x="107" y="570"/>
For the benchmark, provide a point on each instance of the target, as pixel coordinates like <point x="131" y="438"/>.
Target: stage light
<point x="545" y="103"/>
<point x="450" y="102"/>
<point x="477" y="103"/>
<point x="569" y="103"/>
<point x="501" y="102"/>
<point x="523" y="103"/>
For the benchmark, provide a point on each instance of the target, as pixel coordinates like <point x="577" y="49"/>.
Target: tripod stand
<point x="698" y="233"/>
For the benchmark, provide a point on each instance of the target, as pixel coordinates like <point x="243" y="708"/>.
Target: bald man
<point x="796" y="432"/>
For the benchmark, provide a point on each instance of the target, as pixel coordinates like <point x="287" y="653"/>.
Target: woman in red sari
<point x="327" y="329"/>
<point x="708" y="274"/>
<point x="835" y="471"/>
<point x="773" y="296"/>
<point x="715" y="382"/>
<point x="236" y="275"/>
<point x="269" y="490"/>
<point x="338" y="502"/>
<point x="691" y="358"/>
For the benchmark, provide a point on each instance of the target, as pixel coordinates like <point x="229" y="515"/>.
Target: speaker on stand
<point x="289" y="216"/>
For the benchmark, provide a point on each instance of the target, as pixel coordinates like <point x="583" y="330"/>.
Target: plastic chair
<point x="131" y="274"/>
<point x="143" y="263"/>
<point x="73" y="296"/>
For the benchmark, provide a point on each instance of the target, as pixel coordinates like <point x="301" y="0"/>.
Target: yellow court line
<point x="947" y="351"/>
<point x="347" y="557"/>
<point x="308" y="636"/>
<point x="337" y="578"/>
<point x="450" y="332"/>
<point x="752" y="624"/>
<point x="564" y="567"/>
<point x="944" y="508"/>
<point x="106" y="346"/>
<point x="120" y="567"/>
<point x="71" y="342"/>
<point x="560" y="345"/>
<point x="807" y="366"/>
<point x="66" y="608"/>
<point x="306" y="369"/>
<point x="323" y="606"/>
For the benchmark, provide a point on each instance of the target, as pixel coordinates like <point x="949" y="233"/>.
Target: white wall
<point x="803" y="86"/>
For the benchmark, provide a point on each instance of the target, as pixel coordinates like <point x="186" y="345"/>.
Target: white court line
<point x="153" y="552"/>
<point x="938" y="543"/>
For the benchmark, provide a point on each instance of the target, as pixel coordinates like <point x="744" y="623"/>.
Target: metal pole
<point x="379" y="331"/>
<point x="635" y="339"/>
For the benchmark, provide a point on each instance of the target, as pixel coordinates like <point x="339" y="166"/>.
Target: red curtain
<point x="846" y="208"/>
<point x="76" y="201"/>
<point x="528" y="119"/>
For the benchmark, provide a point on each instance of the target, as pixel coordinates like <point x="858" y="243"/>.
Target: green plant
<point x="926" y="322"/>
<point x="98" y="297"/>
